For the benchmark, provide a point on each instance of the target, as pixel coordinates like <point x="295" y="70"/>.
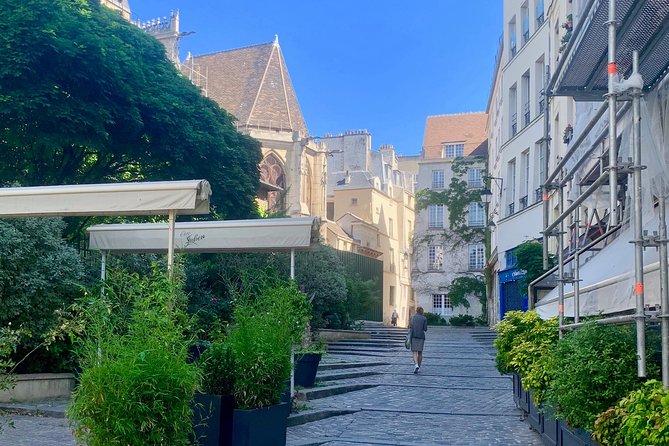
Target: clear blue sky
<point x="380" y="65"/>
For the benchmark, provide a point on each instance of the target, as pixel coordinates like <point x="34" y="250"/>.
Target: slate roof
<point x="253" y="84"/>
<point x="467" y="128"/>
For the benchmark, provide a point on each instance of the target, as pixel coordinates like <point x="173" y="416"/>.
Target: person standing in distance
<point x="418" y="327"/>
<point x="393" y="318"/>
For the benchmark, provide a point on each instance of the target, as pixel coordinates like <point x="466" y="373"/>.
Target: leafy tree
<point x="529" y="256"/>
<point x="464" y="286"/>
<point x="456" y="199"/>
<point x="39" y="273"/>
<point x="87" y="97"/>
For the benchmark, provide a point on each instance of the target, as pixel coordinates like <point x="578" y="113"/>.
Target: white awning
<point x="270" y="234"/>
<point x="607" y="282"/>
<point x="149" y="198"/>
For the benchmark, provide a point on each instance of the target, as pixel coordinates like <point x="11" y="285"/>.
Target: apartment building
<point x="518" y="144"/>
<point x="439" y="256"/>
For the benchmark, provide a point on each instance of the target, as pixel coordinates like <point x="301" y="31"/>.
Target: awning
<point x="607" y="282"/>
<point x="643" y="25"/>
<point x="270" y="234"/>
<point x="149" y="198"/>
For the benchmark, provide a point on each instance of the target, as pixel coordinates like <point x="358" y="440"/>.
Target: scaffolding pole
<point x="577" y="290"/>
<point x="545" y="187"/>
<point x="560" y="248"/>
<point x="640" y="315"/>
<point x="613" y="132"/>
<point x="664" y="290"/>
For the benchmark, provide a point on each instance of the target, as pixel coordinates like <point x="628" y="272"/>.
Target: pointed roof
<point x="253" y="84"/>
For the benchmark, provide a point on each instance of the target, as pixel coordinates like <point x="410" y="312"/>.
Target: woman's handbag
<point x="407" y="342"/>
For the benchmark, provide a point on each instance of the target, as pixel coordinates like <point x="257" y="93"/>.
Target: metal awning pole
<point x="545" y="188"/>
<point x="613" y="133"/>
<point x="664" y="290"/>
<point x="638" y="225"/>
<point x="170" y="241"/>
<point x="560" y="249"/>
<point x="292" y="263"/>
<point x="103" y="272"/>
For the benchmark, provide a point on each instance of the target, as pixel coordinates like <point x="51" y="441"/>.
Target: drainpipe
<point x="613" y="151"/>
<point x="640" y="315"/>
<point x="560" y="249"/>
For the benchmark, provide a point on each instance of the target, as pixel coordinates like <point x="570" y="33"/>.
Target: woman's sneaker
<point x="416" y="367"/>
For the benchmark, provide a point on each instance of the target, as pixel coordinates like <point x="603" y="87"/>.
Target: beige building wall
<point x="121" y="6"/>
<point x="371" y="199"/>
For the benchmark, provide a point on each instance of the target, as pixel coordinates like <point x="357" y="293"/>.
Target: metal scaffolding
<point x="610" y="175"/>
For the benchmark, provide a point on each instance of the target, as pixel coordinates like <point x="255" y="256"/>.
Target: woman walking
<point x="418" y="327"/>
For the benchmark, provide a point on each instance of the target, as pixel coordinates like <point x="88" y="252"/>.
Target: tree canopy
<point x="87" y="97"/>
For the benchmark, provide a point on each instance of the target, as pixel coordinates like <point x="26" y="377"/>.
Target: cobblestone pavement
<point x="457" y="398"/>
<point x="37" y="431"/>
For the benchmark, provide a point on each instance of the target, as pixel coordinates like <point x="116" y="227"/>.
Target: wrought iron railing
<point x="514" y="124"/>
<point x="526" y="36"/>
<point x="522" y="202"/>
<point x="542" y="104"/>
<point x="512" y="208"/>
<point x="540" y="20"/>
<point x="513" y="49"/>
<point x="538" y="196"/>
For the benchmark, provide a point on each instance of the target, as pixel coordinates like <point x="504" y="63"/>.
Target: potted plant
<point x="136" y="386"/>
<point x="214" y="407"/>
<point x="307" y="359"/>
<point x="642" y="417"/>
<point x="591" y="369"/>
<point x="261" y="339"/>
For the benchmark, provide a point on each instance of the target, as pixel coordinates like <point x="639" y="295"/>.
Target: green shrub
<point x="39" y="273"/>
<point x="462" y="320"/>
<point x="511" y="331"/>
<point x="640" y="418"/>
<point x="531" y="353"/>
<point x="591" y="369"/>
<point x="218" y="369"/>
<point x="261" y="339"/>
<point x="136" y="386"/>
<point x="434" y="318"/>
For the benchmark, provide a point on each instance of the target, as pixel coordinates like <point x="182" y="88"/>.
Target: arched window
<point x="271" y="172"/>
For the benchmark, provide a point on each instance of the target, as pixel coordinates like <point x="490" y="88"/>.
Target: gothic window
<point x="271" y="172"/>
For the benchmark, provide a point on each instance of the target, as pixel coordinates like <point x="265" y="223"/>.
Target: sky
<point x="379" y="65"/>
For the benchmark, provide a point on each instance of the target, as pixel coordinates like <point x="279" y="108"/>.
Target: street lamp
<point x="486" y="195"/>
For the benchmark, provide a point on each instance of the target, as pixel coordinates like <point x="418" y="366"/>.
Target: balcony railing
<point x="538" y="196"/>
<point x="514" y="124"/>
<point x="513" y="49"/>
<point x="512" y="208"/>
<point x="526" y="36"/>
<point x="523" y="202"/>
<point x="540" y="20"/>
<point x="526" y="114"/>
<point x="542" y="104"/>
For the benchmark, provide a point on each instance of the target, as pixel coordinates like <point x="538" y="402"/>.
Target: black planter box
<point x="533" y="414"/>
<point x="574" y="437"/>
<point x="260" y="427"/>
<point x="549" y="427"/>
<point x="306" y="366"/>
<point x="516" y="388"/>
<point x="524" y="399"/>
<point x="212" y="419"/>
